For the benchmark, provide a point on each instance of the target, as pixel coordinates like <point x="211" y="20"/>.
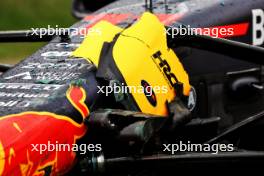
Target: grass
<point x="27" y="14"/>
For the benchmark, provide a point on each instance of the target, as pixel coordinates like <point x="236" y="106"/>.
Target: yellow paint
<point x="59" y="117"/>
<point x="17" y="127"/>
<point x="133" y="53"/>
<point x="26" y="168"/>
<point x="93" y="43"/>
<point x="2" y="159"/>
<point x="11" y="155"/>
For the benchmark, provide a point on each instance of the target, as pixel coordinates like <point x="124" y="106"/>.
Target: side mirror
<point x="81" y="8"/>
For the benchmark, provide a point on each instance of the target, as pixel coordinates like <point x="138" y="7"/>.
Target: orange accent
<point x="166" y="19"/>
<point x="112" y="18"/>
<point x="77" y="96"/>
<point x="17" y="127"/>
<point x="40" y="171"/>
<point x="25" y="168"/>
<point x="238" y="30"/>
<point x="2" y="155"/>
<point x="11" y="155"/>
<point x="59" y="117"/>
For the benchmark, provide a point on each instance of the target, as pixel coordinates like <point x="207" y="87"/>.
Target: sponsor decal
<point x="13" y="103"/>
<point x="8" y="103"/>
<point x="192" y="99"/>
<point x="258" y="26"/>
<point x="165" y="68"/>
<point x="26" y="86"/>
<point x="24" y="75"/>
<point x="56" y="54"/>
<point x="68" y="45"/>
<point x="60" y="66"/>
<point x="56" y="76"/>
<point x="151" y="97"/>
<point x="23" y="95"/>
<point x="27" y="128"/>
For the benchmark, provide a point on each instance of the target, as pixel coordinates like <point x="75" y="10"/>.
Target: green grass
<point x="27" y="14"/>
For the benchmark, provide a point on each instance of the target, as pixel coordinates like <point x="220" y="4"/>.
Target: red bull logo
<point x="19" y="132"/>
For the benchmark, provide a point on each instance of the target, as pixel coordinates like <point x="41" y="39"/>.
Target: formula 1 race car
<point x="196" y="103"/>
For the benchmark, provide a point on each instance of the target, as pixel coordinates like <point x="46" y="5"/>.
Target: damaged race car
<point x="138" y="87"/>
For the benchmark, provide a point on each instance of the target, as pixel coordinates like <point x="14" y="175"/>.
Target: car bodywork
<point x="226" y="90"/>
